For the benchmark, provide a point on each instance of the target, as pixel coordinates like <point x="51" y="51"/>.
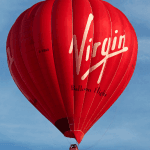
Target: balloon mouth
<point x="69" y="134"/>
<point x="68" y="129"/>
<point x="77" y="134"/>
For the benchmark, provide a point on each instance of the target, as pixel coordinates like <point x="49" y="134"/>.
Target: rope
<point x="106" y="129"/>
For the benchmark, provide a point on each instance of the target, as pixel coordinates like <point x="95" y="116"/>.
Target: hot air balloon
<point x="72" y="59"/>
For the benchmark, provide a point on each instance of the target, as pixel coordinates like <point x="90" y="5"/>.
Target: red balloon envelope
<point x="72" y="59"/>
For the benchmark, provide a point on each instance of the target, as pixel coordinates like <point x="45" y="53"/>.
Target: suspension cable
<point x="106" y="129"/>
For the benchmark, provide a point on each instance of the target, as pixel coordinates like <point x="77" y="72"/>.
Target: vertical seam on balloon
<point x="113" y="75"/>
<point x="23" y="82"/>
<point x="108" y="86"/>
<point x="67" y="115"/>
<point x="33" y="81"/>
<point x="39" y="66"/>
<point x="102" y="75"/>
<point x="90" y="105"/>
<point x="89" y="108"/>
<point x="27" y="69"/>
<point x="62" y="102"/>
<point x="88" y="75"/>
<point x="96" y="118"/>
<point x="16" y="70"/>
<point x="73" y="69"/>
<point x="53" y="115"/>
<point x="59" y="83"/>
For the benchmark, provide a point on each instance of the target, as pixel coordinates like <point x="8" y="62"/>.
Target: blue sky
<point x="22" y="127"/>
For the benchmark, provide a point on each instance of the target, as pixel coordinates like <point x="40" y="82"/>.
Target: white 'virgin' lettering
<point x="104" y="51"/>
